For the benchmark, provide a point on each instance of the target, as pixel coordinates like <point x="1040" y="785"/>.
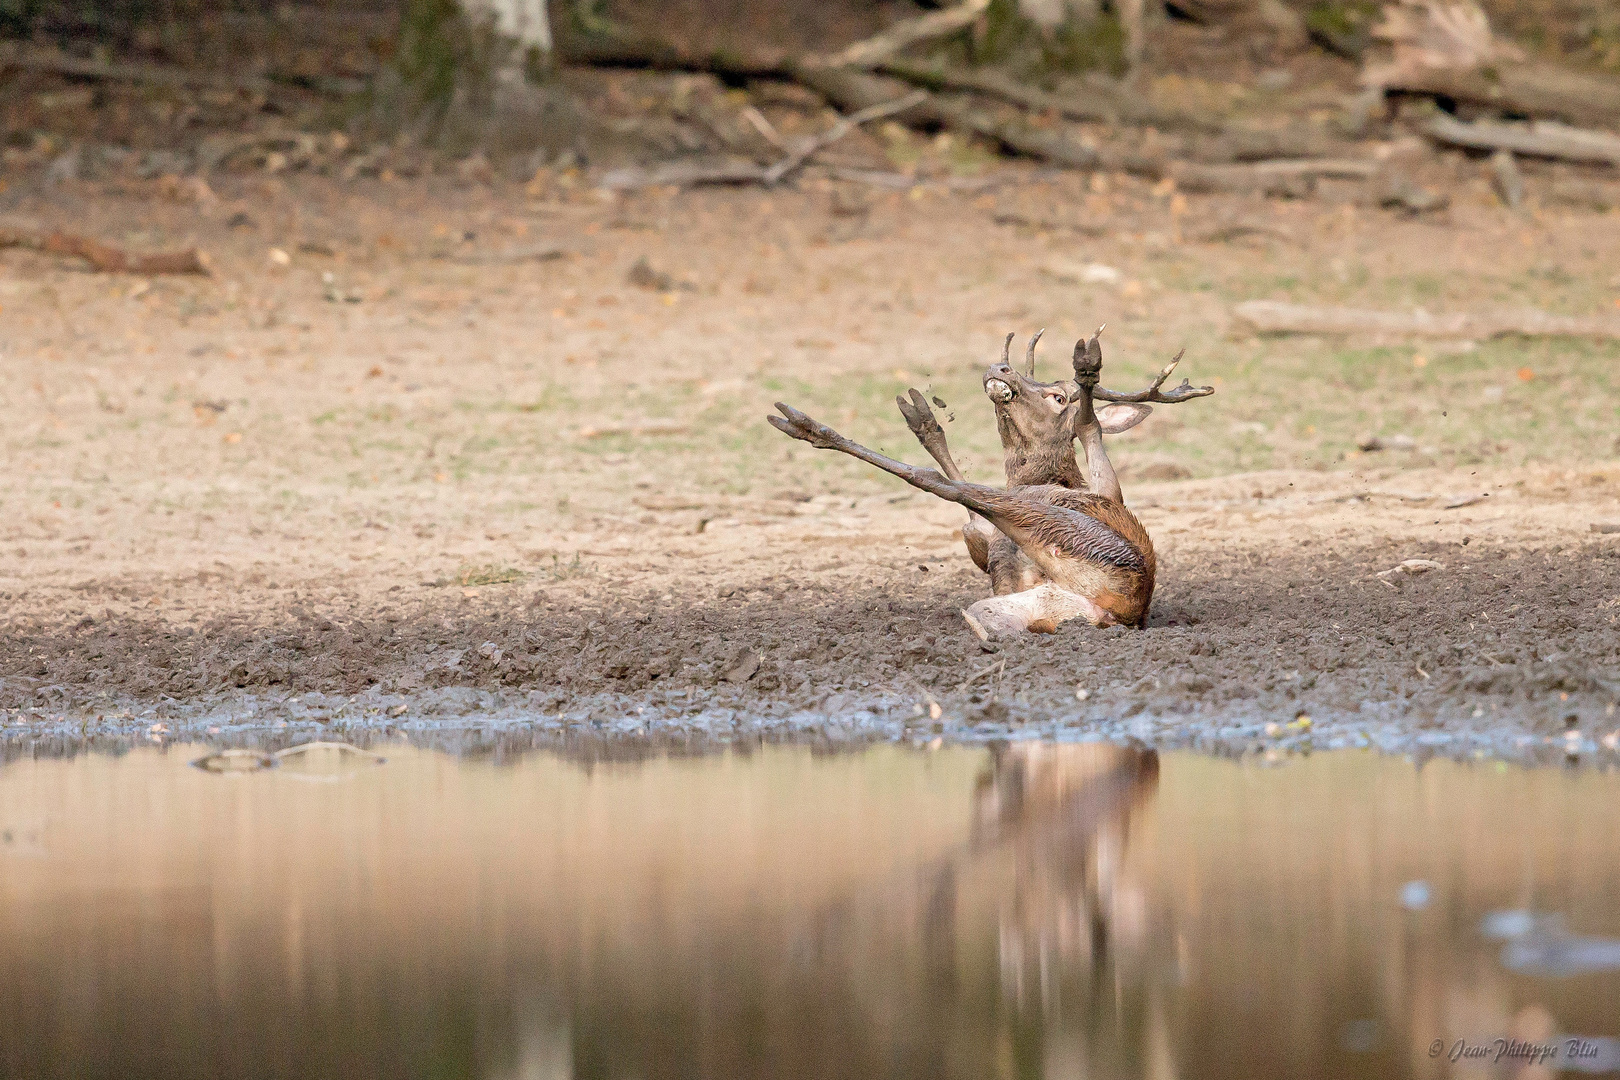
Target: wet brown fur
<point x="1097" y="531"/>
<point x="1046" y="526"/>
<point x="1038" y="443"/>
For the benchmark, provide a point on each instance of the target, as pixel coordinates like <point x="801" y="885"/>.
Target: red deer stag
<point x="1057" y="544"/>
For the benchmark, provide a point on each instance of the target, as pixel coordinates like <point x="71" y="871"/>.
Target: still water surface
<point x="1019" y="911"/>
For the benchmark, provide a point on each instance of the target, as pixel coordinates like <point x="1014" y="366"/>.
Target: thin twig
<point x="776" y="173"/>
<point x="997" y="666"/>
<point x="692" y="173"/>
<point x="880" y="47"/>
<point x="105" y="258"/>
<point x="766" y="129"/>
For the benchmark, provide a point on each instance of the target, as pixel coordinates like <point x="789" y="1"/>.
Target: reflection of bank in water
<point x="1024" y="910"/>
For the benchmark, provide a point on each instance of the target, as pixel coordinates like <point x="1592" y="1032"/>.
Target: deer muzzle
<point x="999" y="391"/>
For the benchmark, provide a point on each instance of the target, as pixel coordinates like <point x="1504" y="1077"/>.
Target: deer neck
<point x="1029" y="465"/>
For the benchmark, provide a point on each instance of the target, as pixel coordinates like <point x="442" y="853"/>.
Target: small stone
<point x="743" y="665"/>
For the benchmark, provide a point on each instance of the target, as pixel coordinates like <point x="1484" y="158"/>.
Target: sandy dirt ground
<point x="431" y="450"/>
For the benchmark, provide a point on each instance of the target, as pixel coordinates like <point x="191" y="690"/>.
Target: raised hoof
<point x="800" y="426"/>
<point x="919" y="417"/>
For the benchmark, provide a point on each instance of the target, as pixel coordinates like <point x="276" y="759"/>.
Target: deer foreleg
<point x="978" y="533"/>
<point x="1072" y="548"/>
<point x="923" y="424"/>
<point x="1100" y="473"/>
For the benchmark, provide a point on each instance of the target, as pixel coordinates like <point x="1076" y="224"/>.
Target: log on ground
<point x="1541" y="138"/>
<point x="104" y="257"/>
<point x="1544" y="91"/>
<point x="1276" y="317"/>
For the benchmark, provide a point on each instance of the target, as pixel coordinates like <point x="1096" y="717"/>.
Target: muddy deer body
<point x="1057" y="543"/>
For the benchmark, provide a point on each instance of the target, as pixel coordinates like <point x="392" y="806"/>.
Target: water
<point x="1016" y="911"/>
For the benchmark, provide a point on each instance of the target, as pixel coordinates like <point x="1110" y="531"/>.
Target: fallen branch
<point x="1237" y="230"/>
<point x="1542" y="138"/>
<point x="1531" y="89"/>
<point x="644" y="427"/>
<point x="776" y="173"/>
<point x="1106" y="103"/>
<point x="1274" y="317"/>
<point x="879" y="47"/>
<point x="51" y="62"/>
<point x="635" y="50"/>
<point x="854" y="90"/>
<point x="533" y="253"/>
<point x="684" y="174"/>
<point x="107" y="259"/>
<point x="1447" y="49"/>
<point x="688" y="174"/>
<point x="55" y="63"/>
<point x="1267" y="177"/>
<point x="839" y="79"/>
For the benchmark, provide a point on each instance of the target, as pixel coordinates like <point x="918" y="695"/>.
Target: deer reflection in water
<point x="1061" y="814"/>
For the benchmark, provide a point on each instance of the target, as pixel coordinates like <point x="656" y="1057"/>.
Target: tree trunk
<point x="525" y="22"/>
<point x="468" y="77"/>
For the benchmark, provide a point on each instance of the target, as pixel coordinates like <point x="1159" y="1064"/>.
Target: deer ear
<point x="1122" y="416"/>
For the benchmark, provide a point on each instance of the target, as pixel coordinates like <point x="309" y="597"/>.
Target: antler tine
<point x="1185" y="392"/>
<point x="1168" y="369"/>
<point x="1006" y="349"/>
<point x="1029" y="353"/>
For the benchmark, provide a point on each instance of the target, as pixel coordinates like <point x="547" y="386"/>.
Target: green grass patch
<point x="471" y="576"/>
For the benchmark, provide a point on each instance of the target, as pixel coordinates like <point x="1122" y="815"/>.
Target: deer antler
<point x="1029" y="353"/>
<point x="1006" y="350"/>
<point x="1185" y="392"/>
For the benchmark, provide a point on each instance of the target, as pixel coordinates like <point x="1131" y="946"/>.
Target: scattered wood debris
<point x="1412" y="567"/>
<point x="106" y="258"/>
<point x="1506" y="179"/>
<point x="731" y="171"/>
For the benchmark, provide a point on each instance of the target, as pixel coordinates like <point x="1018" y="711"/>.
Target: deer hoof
<point x="800" y="426"/>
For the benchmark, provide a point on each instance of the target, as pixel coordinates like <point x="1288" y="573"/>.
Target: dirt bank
<point x="406" y="471"/>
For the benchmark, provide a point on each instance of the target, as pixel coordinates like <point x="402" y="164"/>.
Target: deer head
<point x="1035" y="419"/>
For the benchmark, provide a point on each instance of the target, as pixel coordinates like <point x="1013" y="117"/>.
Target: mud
<point x="1504" y="654"/>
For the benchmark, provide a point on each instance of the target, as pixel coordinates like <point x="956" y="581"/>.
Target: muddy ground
<point x="427" y="451"/>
